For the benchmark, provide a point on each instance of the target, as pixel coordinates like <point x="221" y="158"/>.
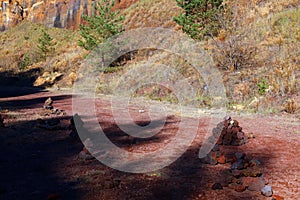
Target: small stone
<point x="211" y="159"/>
<point x="216" y="132"/>
<point x="235" y="123"/>
<point x="237" y="165"/>
<point x="254" y="183"/>
<point x="277" y="197"/>
<point x="237" y="180"/>
<point x="235" y="130"/>
<point x="85" y="155"/>
<point x="240" y="135"/>
<point x="227" y="118"/>
<point x="221" y="159"/>
<point x="216" y="148"/>
<point x="227" y="139"/>
<point x="252" y="171"/>
<point x="237" y="187"/>
<point x="220" y="140"/>
<point x="267" y="191"/>
<point x="251" y="136"/>
<point x="236" y="172"/>
<point x="239" y="155"/>
<point x="57" y="111"/>
<point x="254" y="162"/>
<point x="241" y="141"/>
<point x="217" y="186"/>
<point x="48" y="104"/>
<point x="230" y="158"/>
<point x="225" y="177"/>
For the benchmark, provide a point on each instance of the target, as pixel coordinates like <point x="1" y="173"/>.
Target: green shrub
<point x="101" y="26"/>
<point x="262" y="86"/>
<point x="45" y="45"/>
<point x="200" y="17"/>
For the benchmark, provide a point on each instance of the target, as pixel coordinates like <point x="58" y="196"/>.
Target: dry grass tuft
<point x="290" y="106"/>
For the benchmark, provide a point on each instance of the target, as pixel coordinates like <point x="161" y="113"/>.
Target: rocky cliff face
<point x="52" y="13"/>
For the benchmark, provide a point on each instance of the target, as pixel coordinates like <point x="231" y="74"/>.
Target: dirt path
<point x="36" y="163"/>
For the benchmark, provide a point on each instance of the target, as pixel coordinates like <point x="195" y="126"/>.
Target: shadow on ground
<point x="186" y="178"/>
<point x="35" y="163"/>
<point x="36" y="102"/>
<point x="18" y="84"/>
<point x="29" y="159"/>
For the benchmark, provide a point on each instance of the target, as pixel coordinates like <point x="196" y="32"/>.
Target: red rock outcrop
<point x="56" y="13"/>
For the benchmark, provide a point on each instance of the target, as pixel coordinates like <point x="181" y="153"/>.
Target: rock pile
<point x="48" y="109"/>
<point x="226" y="133"/>
<point x="48" y="104"/>
<point x="244" y="173"/>
<point x="215" y="156"/>
<point x="231" y="133"/>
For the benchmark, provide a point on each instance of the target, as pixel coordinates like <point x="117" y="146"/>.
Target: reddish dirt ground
<point x="36" y="163"/>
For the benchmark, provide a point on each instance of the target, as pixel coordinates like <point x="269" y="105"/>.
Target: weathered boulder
<point x="47" y="79"/>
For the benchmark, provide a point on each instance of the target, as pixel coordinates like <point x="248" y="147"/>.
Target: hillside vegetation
<point x="257" y="54"/>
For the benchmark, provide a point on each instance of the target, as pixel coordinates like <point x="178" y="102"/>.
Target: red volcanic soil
<point x="37" y="163"/>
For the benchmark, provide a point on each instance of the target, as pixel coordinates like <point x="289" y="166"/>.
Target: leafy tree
<point x="101" y="26"/>
<point x="200" y="17"/>
<point x="45" y="44"/>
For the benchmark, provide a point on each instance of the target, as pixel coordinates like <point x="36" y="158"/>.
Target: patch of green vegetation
<point x="200" y="17"/>
<point x="45" y="44"/>
<point x="100" y="27"/>
<point x="262" y="86"/>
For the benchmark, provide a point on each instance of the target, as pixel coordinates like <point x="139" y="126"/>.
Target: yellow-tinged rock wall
<point x="52" y="13"/>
